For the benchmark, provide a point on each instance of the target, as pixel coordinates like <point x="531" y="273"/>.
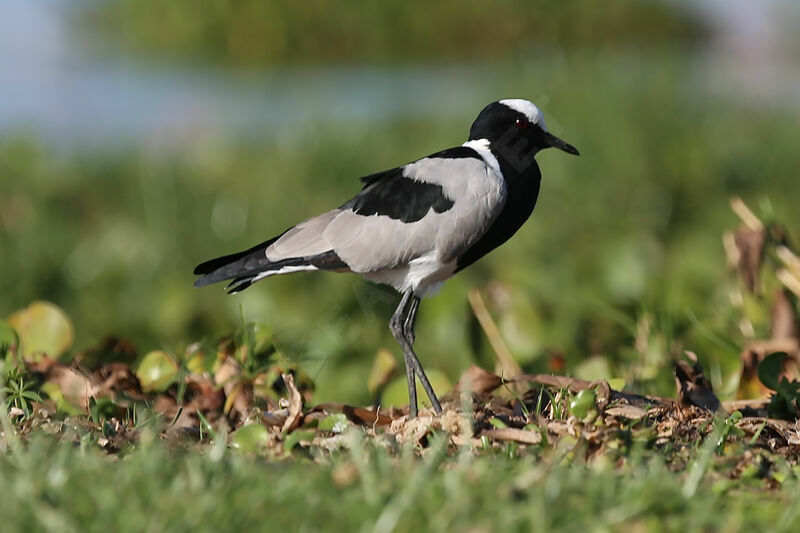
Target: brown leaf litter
<point x="484" y="412"/>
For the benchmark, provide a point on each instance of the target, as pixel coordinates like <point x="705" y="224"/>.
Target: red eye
<point x="522" y="123"/>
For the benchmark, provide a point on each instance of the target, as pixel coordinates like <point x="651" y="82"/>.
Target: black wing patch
<point x="391" y="194"/>
<point x="395" y="196"/>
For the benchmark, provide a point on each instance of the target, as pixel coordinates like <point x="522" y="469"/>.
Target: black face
<point x="512" y="135"/>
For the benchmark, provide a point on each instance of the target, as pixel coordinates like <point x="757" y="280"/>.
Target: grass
<point x="668" y="468"/>
<point x="50" y="487"/>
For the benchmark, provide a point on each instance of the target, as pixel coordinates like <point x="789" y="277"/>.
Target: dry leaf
<point x="295" y="404"/>
<point x="74" y="384"/>
<point x="478" y="381"/>
<point x="631" y="412"/>
<point x="365" y="417"/>
<point x="416" y="429"/>
<point x="237" y="394"/>
<point x="522" y="436"/>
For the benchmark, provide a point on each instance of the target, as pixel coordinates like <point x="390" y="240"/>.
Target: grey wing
<point x="435" y="205"/>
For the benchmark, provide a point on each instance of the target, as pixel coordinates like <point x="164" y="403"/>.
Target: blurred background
<point x="139" y="138"/>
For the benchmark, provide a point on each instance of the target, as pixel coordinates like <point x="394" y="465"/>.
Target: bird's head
<point x="516" y="130"/>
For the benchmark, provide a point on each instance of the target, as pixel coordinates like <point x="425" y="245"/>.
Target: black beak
<point x="555" y="142"/>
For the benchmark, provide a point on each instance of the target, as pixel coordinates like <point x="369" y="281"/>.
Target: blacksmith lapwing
<point x="414" y="226"/>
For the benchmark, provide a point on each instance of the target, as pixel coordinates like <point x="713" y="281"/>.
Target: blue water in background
<point x="54" y="85"/>
<point x="51" y="84"/>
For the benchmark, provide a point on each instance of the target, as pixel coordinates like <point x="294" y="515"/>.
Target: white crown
<point x="527" y="108"/>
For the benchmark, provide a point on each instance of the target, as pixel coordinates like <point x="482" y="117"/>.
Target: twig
<point x="506" y="364"/>
<point x="789" y="280"/>
<point x="748" y="217"/>
<point x="789" y="259"/>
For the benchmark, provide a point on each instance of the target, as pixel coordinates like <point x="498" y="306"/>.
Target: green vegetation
<point x="271" y="32"/>
<point x="624" y="244"/>
<point x="136" y="402"/>
<point x="116" y="463"/>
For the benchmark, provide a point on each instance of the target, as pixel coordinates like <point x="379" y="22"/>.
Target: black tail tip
<point x="206" y="267"/>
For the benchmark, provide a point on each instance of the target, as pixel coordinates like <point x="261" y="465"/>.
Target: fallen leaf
<point x="75" y="386"/>
<point x="237" y="396"/>
<point x="295" y="404"/>
<point x="416" y="430"/>
<point x="631" y="412"/>
<point x="522" y="436"/>
<point x="365" y="417"/>
<point x="478" y="381"/>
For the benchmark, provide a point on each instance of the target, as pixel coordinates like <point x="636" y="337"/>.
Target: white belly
<point x="424" y="275"/>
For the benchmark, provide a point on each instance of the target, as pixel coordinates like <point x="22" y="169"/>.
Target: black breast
<point x="522" y="192"/>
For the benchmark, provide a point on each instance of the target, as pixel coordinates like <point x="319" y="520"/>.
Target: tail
<point x="247" y="267"/>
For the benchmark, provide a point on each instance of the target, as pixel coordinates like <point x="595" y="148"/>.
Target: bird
<point x="414" y="226"/>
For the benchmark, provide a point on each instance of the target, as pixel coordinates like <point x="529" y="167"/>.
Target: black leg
<point x="403" y="331"/>
<point x="397" y="327"/>
<point x="411" y="319"/>
<point x="417" y="366"/>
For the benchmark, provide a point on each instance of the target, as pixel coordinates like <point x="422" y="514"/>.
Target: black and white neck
<point x="513" y="131"/>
